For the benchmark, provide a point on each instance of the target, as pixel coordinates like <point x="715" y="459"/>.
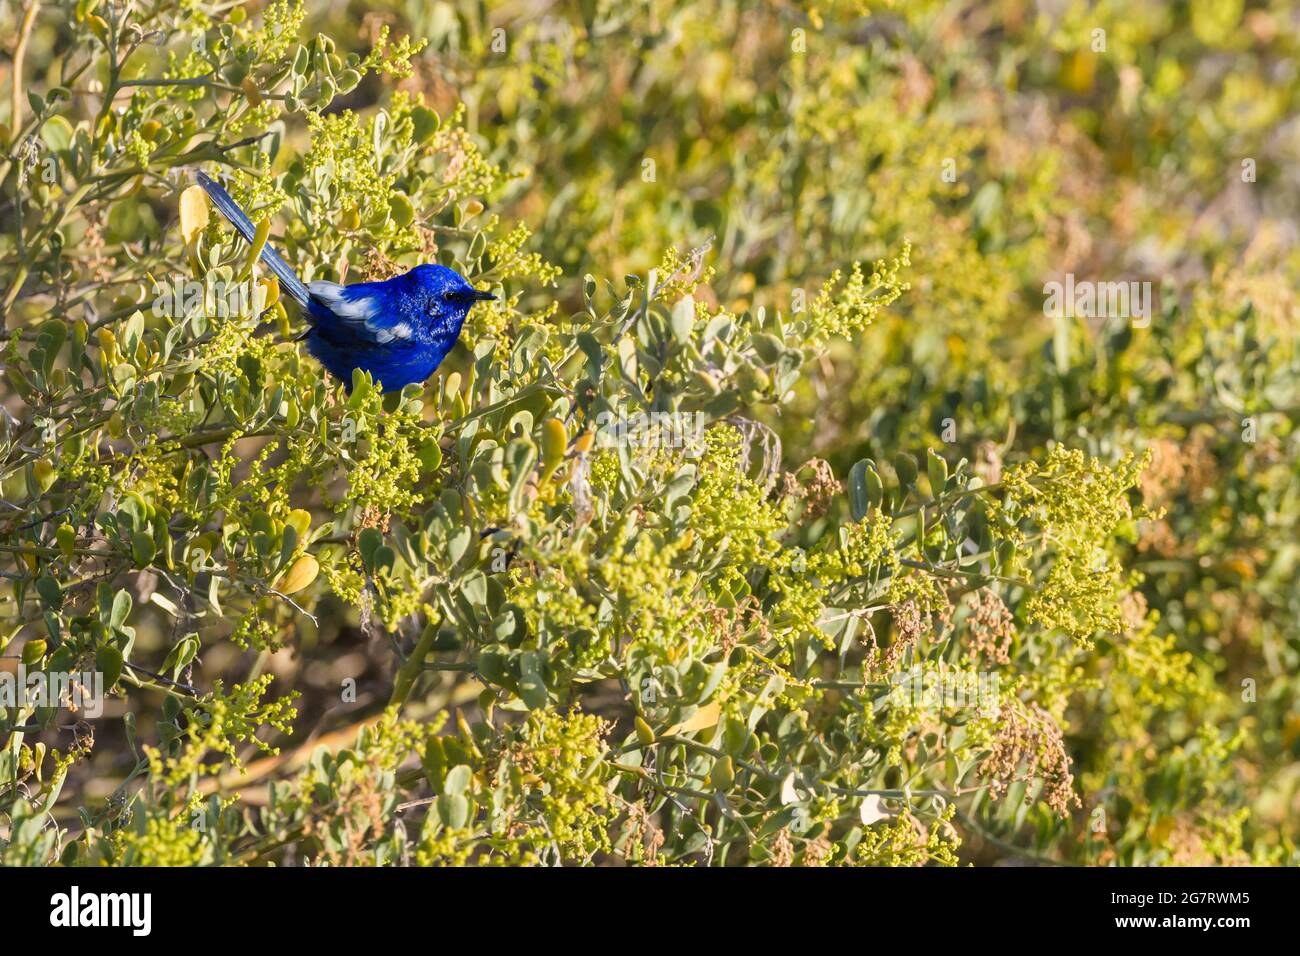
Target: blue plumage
<point x="399" y="330"/>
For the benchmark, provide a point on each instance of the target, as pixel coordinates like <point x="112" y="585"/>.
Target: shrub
<point x="784" y="547"/>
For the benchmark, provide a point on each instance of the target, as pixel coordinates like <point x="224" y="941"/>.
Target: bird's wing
<point x="363" y="311"/>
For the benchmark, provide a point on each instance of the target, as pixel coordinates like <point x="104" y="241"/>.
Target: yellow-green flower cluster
<point x="564" y="754"/>
<point x="844" y="307"/>
<point x="730" y="516"/>
<point x="1077" y="504"/>
<point x="906" y="841"/>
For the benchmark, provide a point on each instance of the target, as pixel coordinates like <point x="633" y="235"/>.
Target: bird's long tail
<point x="289" y="281"/>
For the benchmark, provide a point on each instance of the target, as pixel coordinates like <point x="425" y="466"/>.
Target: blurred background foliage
<point x="751" y="153"/>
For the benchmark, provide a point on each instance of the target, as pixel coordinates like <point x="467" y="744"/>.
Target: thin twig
<point x="20" y="52"/>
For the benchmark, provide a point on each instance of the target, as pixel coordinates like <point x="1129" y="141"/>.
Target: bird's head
<point x="446" y="292"/>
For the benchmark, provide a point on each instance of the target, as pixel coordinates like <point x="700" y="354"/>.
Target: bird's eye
<point x="449" y="295"/>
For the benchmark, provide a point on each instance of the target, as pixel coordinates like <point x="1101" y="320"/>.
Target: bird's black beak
<point x="484" y="296"/>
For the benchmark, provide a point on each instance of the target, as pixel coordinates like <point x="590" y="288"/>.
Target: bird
<point x="399" y="329"/>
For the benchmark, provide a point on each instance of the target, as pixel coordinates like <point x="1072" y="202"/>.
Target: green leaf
<point x="532" y="688"/>
<point x="181" y="655"/>
<point x="57" y="133"/>
<point x="400" y="208"/>
<point x="108" y="661"/>
<point x="50" y="593"/>
<point x="453" y="810"/>
<point x="121" y="609"/>
<point x="937" y="470"/>
<point x="905" y="468"/>
<point x="458" y="543"/>
<point x="683" y="319"/>
<point x="458" y="779"/>
<point x="142" y="548"/>
<point x="368" y="542"/>
<point x="865" y="489"/>
<point x="425" y="123"/>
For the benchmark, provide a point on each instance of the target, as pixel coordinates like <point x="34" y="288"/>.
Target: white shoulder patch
<point x="360" y="311"/>
<point x="399" y="331"/>
<point x="346" y="308"/>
